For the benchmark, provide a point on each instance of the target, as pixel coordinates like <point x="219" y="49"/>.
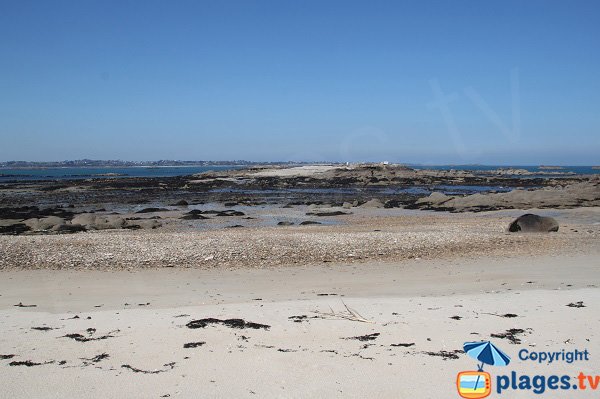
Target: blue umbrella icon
<point x="486" y="353"/>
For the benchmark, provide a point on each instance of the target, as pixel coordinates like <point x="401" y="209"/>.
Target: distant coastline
<point x="90" y="163"/>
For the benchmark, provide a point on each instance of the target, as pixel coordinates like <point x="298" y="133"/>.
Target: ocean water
<point x="580" y="170"/>
<point x="7" y="174"/>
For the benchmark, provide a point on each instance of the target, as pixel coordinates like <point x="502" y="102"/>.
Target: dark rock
<point x="392" y="204"/>
<point x="181" y="203"/>
<point x="285" y="223"/>
<point x="150" y="210"/>
<point x="330" y="213"/>
<point x="69" y="228"/>
<point x="307" y="222"/>
<point x="530" y="223"/>
<point x="31" y="212"/>
<point x="194" y="214"/>
<point x="227" y="212"/>
<point x="14" y="229"/>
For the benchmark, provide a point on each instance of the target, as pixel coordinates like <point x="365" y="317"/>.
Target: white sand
<point x="297" y="171"/>
<point x="410" y="302"/>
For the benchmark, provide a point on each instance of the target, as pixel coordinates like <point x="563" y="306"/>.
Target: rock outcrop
<point x="530" y="223"/>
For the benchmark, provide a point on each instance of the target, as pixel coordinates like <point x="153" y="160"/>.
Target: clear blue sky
<point x="509" y="82"/>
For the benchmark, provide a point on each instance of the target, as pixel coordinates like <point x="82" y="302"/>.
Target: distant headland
<point x="91" y="163"/>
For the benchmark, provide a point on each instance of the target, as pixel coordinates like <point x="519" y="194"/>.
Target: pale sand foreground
<point x="410" y="302"/>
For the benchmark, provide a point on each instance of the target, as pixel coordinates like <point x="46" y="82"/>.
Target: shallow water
<point x="580" y="170"/>
<point x="87" y="173"/>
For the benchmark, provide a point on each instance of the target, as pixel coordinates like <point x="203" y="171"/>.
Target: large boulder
<point x="99" y="222"/>
<point x="530" y="223"/>
<point x="43" y="224"/>
<point x="373" y="203"/>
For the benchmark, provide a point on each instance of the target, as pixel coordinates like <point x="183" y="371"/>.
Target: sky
<point x="492" y="82"/>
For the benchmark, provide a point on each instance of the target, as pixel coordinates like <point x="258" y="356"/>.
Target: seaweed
<point x="95" y="359"/>
<point x="20" y="305"/>
<point x="44" y="328"/>
<point x="231" y="323"/>
<point x="368" y="337"/>
<point x="28" y="363"/>
<point x="82" y="338"/>
<point x="169" y="366"/>
<point x="445" y="355"/>
<point x="511" y="335"/>
<point x="193" y="344"/>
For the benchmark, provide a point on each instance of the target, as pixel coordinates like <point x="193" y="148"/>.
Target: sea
<point x="32" y="174"/>
<point x="580" y="170"/>
<point x="67" y="173"/>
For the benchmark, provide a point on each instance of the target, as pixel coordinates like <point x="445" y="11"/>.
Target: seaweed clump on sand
<point x="231" y="323"/>
<point x="28" y="363"/>
<point x="452" y="355"/>
<point x="368" y="337"/>
<point x="169" y="366"/>
<point x="511" y="335"/>
<point x="82" y="338"/>
<point x="193" y="344"/>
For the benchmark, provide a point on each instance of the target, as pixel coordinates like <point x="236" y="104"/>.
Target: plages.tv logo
<point x="478" y="384"/>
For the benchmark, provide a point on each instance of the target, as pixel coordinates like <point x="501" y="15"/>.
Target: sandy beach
<point x="420" y="313"/>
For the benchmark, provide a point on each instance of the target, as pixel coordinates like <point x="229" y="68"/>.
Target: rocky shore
<point x="326" y="183"/>
<point x="177" y="203"/>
